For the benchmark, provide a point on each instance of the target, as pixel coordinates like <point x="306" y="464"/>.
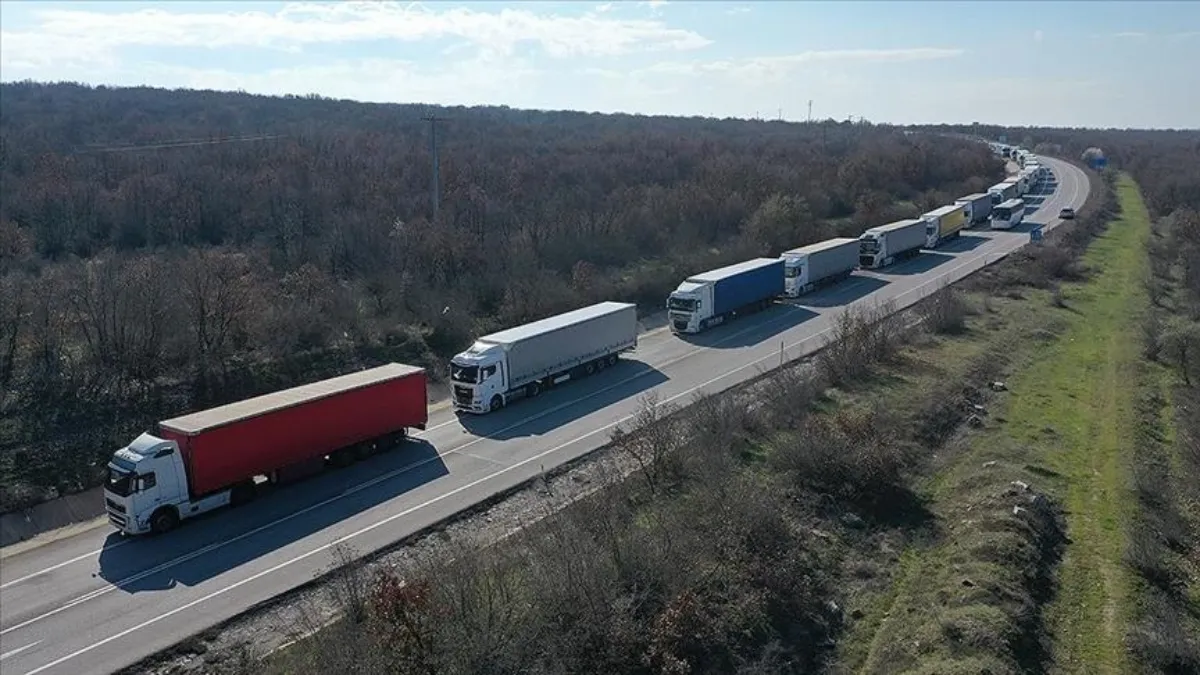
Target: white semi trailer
<point x="815" y="265"/>
<point x="883" y="245"/>
<point x="525" y="360"/>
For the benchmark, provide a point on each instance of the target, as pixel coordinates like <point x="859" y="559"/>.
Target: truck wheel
<point x="531" y="391"/>
<point x="612" y="359"/>
<point x="589" y="368"/>
<point x="601" y="362"/>
<point x="496" y="404"/>
<point x="163" y="520"/>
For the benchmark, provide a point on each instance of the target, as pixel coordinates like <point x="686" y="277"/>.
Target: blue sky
<point x="1124" y="64"/>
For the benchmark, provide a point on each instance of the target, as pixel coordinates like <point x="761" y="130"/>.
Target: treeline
<point x="1165" y="163"/>
<point x="161" y="250"/>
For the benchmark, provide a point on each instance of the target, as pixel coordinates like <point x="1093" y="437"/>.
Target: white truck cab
<point x="796" y="273"/>
<point x="147" y="487"/>
<point x="690" y="305"/>
<point x="871" y="252"/>
<point x="479" y="370"/>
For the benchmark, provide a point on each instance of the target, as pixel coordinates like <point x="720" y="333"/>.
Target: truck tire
<point x="163" y="520"/>
<point x="531" y="390"/>
<point x="612" y="359"/>
<point x="496" y="403"/>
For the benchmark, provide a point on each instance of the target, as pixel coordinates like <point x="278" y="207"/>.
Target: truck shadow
<point x="921" y="264"/>
<point x="195" y="552"/>
<point x="751" y="329"/>
<point x="844" y="293"/>
<point x="963" y="243"/>
<point x="565" y="404"/>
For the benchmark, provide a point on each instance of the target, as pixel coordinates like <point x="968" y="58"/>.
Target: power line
<point x="181" y="143"/>
<point x="433" y="151"/>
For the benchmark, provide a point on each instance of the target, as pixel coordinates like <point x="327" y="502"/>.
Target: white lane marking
<point x="18" y="650"/>
<point x="982" y="256"/>
<point x="64" y="563"/>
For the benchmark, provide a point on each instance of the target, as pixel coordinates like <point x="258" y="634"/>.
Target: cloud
<point x="1123" y="35"/>
<point x="766" y="68"/>
<point x="84" y="36"/>
<point x="1037" y="35"/>
<point x="740" y="9"/>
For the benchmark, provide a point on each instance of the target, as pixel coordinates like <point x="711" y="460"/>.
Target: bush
<point x="946" y="311"/>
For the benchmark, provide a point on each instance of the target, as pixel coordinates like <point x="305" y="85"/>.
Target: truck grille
<point x="113" y="505"/>
<point x="462" y="395"/>
<point x="866" y="260"/>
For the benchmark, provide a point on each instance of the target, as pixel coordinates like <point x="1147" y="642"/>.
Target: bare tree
<point x="14" y="314"/>
<point x="218" y="292"/>
<point x="650" y="438"/>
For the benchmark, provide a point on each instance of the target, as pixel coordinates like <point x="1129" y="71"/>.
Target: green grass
<point x="1086" y="386"/>
<point x="1066" y="428"/>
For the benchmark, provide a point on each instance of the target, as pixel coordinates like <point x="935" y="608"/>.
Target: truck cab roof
<point x="688" y="286"/>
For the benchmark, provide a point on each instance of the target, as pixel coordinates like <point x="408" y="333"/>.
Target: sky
<point x="1096" y="64"/>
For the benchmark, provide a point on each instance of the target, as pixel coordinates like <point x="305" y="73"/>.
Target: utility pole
<point x="810" y="111"/>
<point x="433" y="151"/>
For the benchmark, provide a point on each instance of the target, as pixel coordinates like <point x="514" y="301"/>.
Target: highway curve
<point x="94" y="602"/>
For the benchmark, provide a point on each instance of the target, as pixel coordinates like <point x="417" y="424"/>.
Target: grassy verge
<point x="1010" y="568"/>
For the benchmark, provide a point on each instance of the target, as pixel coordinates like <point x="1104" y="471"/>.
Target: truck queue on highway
<point x="224" y="456"/>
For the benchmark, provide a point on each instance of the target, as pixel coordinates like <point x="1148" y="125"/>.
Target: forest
<point x="165" y="250"/>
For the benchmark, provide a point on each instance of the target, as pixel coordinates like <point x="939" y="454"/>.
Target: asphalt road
<point x="95" y="602"/>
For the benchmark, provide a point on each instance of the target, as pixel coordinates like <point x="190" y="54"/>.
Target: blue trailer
<point x="719" y="295"/>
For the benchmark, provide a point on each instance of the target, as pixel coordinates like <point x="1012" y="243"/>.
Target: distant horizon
<point x="1099" y="65"/>
<point x="618" y="113"/>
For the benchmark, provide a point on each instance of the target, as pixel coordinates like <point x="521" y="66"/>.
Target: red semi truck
<point x="213" y="458"/>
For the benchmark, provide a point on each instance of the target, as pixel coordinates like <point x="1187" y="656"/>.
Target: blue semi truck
<point x="719" y="295"/>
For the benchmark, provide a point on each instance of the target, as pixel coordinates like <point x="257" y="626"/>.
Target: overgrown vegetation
<point x="141" y="276"/>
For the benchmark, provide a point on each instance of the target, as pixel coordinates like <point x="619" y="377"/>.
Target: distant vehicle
<point x="1067" y="213"/>
<point x="825" y="262"/>
<point x="720" y="295"/>
<point x="979" y="207"/>
<point x="524" y="360"/>
<point x="1008" y="215"/>
<point x="212" y="458"/>
<point x="944" y="223"/>
<point x="1004" y="191"/>
<point x="883" y="245"/>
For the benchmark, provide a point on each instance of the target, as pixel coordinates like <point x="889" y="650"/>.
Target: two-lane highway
<point x="95" y="602"/>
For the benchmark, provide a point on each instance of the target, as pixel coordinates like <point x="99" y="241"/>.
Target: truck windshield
<point x="119" y="482"/>
<point x="464" y="374"/>
<point x="792" y="272"/>
<point x="681" y="304"/>
<point x="869" y="246"/>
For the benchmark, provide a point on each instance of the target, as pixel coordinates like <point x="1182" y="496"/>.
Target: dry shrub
<point x="945" y="312"/>
<point x="851" y="456"/>
<point x="860" y="339"/>
<point x="651" y="438"/>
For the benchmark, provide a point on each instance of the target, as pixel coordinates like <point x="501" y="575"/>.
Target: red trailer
<point x="223" y="449"/>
